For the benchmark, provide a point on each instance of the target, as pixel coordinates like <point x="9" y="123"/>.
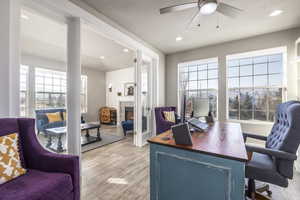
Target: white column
<point x="297" y="164"/>
<point x="9" y="57"/>
<point x="222" y="90"/>
<point x="31" y="95"/>
<point x="138" y="107"/>
<point x="73" y="85"/>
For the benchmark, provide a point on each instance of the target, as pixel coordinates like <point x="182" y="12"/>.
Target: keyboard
<point x="198" y="124"/>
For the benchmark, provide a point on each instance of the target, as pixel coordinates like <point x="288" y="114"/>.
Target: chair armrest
<point x="254" y="136"/>
<point x="36" y="157"/>
<point x="53" y="162"/>
<point x="271" y="152"/>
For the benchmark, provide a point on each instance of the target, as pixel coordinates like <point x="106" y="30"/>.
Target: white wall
<point x="161" y="87"/>
<point x="43" y="62"/>
<point x="117" y="79"/>
<point x="283" y="38"/>
<point x="96" y="92"/>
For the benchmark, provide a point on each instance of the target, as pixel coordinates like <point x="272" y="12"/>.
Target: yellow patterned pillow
<point x="54" y="117"/>
<point x="65" y="116"/>
<point x="10" y="163"/>
<point x="169" y="116"/>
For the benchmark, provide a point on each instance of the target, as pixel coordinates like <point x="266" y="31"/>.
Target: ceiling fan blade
<point x="178" y="7"/>
<point x="194" y="19"/>
<point x="228" y="10"/>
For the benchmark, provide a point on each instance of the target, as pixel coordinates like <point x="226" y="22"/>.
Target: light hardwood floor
<point x="125" y="163"/>
<point x="121" y="161"/>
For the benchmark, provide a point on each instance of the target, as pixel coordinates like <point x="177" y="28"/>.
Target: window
<point x="24" y="90"/>
<point x="50" y="89"/>
<point x="200" y="78"/>
<point x="255" y="86"/>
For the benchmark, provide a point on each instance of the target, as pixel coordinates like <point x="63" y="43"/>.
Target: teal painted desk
<point x="212" y="169"/>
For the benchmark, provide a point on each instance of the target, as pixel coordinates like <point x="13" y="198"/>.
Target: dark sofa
<point x="42" y="122"/>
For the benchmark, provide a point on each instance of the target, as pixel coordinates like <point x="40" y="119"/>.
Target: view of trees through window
<point x="200" y="79"/>
<point x="254" y="87"/>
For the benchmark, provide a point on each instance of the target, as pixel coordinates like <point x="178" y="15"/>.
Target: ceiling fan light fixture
<point x="208" y="7"/>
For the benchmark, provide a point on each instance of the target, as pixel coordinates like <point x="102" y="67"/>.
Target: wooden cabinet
<point x="108" y="115"/>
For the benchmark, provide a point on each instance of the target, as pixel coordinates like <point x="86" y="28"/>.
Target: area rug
<point x="106" y="139"/>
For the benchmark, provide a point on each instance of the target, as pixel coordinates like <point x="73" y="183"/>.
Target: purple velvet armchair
<point x="161" y="124"/>
<point x="49" y="176"/>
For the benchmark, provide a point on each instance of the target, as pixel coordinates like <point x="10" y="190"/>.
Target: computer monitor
<point x="200" y="107"/>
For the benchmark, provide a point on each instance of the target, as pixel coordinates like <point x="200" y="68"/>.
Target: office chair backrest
<point x="285" y="134"/>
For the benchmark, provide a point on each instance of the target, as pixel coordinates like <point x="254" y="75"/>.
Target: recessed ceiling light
<point x="102" y="57"/>
<point x="179" y="38"/>
<point x="125" y="50"/>
<point x="23" y="16"/>
<point x="275" y="13"/>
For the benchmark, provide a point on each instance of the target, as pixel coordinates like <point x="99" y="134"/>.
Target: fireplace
<point x="126" y="110"/>
<point x="129" y="115"/>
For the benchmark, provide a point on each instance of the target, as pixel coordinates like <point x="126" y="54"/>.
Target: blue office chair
<point x="274" y="163"/>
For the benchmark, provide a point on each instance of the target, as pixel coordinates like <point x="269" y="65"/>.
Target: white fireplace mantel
<point x="122" y="105"/>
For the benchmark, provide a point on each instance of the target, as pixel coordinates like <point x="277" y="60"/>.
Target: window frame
<point x="52" y="74"/>
<point x="84" y="94"/>
<point x="252" y="54"/>
<point x="31" y="87"/>
<point x="26" y="91"/>
<point x="197" y="63"/>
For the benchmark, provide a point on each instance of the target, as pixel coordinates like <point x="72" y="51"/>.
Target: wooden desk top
<point x="221" y="139"/>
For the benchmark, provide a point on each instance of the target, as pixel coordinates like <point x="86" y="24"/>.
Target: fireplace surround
<point x="126" y="110"/>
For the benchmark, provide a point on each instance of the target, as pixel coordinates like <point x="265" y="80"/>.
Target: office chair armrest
<point x="271" y="152"/>
<point x="258" y="137"/>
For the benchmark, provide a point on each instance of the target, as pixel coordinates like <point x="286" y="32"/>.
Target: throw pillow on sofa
<point x="54" y="117"/>
<point x="10" y="162"/>
<point x="65" y="116"/>
<point x="169" y="116"/>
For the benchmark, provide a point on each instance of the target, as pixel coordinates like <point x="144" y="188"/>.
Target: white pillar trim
<point x="137" y="140"/>
<point x="15" y="57"/>
<point x="222" y="89"/>
<point x="10" y="58"/>
<point x="74" y="85"/>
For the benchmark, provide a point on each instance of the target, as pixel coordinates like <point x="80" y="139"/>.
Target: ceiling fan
<point x="205" y="7"/>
